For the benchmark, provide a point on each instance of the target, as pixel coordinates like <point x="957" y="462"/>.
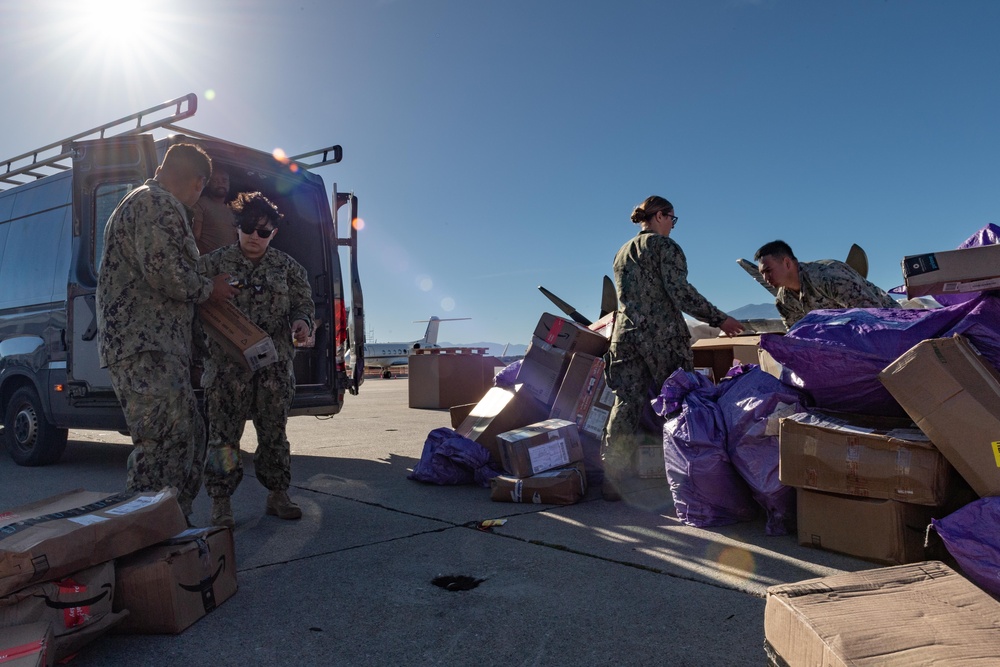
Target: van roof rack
<point x="330" y="154"/>
<point x="55" y="157"/>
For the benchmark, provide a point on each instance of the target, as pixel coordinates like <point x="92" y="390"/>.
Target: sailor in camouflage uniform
<point x="650" y="339"/>
<point x="807" y="286"/>
<point x="275" y="294"/>
<point x="147" y="288"/>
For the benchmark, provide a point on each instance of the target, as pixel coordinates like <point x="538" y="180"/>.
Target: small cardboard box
<point x="584" y="398"/>
<point x="560" y="486"/>
<point x="542" y="370"/>
<point x="953" y="395"/>
<point x="78" y="608"/>
<point x="441" y="377"/>
<point x="952" y="271"/>
<point x="64" y="534"/>
<point x="919" y="614"/>
<point x="168" y="587"/>
<point x="722" y="353"/>
<point x="235" y="332"/>
<point x="27" y="645"/>
<point x="532" y="449"/>
<point x="874" y="457"/>
<point x="649" y="462"/>
<point x="567" y="335"/>
<point x="883" y="531"/>
<point x="501" y="410"/>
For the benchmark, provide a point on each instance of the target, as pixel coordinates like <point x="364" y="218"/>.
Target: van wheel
<point x="31" y="438"/>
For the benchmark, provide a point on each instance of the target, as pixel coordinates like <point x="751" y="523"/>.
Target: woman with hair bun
<point x="650" y="339"/>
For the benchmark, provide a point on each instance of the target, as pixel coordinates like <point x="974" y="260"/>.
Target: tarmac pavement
<point x="595" y="583"/>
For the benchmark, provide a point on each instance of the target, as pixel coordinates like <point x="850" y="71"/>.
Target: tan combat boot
<point x="222" y="512"/>
<point x="281" y="506"/>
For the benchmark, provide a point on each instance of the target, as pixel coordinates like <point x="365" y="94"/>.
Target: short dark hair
<point x="775" y="249"/>
<point x="187" y="160"/>
<point x="249" y="207"/>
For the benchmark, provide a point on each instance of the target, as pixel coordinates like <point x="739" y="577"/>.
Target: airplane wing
<point x="751" y="268"/>
<point x="857" y="259"/>
<point x="609" y="297"/>
<point x="566" y="308"/>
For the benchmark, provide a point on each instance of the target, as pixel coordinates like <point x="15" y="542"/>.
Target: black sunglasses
<point x="251" y="228"/>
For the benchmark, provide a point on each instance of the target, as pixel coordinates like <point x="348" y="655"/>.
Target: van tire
<point x="32" y="440"/>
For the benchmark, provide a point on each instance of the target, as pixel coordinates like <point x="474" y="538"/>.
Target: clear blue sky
<point x="498" y="145"/>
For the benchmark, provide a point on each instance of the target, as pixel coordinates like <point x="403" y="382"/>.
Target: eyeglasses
<point x="673" y="218"/>
<point x="261" y="232"/>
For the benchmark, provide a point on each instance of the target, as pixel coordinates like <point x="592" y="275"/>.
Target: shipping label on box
<point x="235" y="332"/>
<point x="883" y="531"/>
<point x="169" y="586"/>
<point x="919" y="614"/>
<point x="952" y="271"/>
<point x="649" y="462"/>
<point x="567" y="335"/>
<point x="953" y="395"/>
<point x="64" y="534"/>
<point x="560" y="486"/>
<point x="542" y="370"/>
<point x="498" y="411"/>
<point x="876" y="457"/>
<point x="539" y="447"/>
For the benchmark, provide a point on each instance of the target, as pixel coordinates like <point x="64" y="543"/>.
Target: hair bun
<point x="638" y="214"/>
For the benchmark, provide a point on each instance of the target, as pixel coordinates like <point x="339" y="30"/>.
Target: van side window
<point x="106" y="197"/>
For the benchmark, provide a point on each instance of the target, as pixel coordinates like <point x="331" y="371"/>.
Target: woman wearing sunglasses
<point x="275" y="294"/>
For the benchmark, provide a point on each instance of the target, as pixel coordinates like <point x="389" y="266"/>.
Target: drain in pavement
<point x="458" y="582"/>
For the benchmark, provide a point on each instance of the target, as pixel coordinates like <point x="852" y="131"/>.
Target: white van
<point x="54" y="204"/>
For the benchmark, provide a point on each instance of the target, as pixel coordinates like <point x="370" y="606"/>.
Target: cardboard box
<point x="532" y="449"/>
<point x="873" y="457"/>
<point x="953" y="395"/>
<point x="64" y="534"/>
<point x="561" y="486"/>
<point x="919" y="614"/>
<point x="604" y="326"/>
<point x="167" y="587"/>
<point x="542" y="370"/>
<point x="501" y="410"/>
<point x="585" y="399"/>
<point x="722" y="353"/>
<point x="28" y="645"/>
<point x="235" y="332"/>
<point x="649" y="462"/>
<point x="458" y="413"/>
<point x="441" y="377"/>
<point x="567" y="335"/>
<point x="78" y="608"/>
<point x="952" y="271"/>
<point x="883" y="531"/>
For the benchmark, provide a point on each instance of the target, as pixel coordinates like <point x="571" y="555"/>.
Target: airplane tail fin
<point x="433" y="324"/>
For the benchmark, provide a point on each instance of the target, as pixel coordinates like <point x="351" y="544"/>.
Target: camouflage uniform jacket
<point x="148" y="282"/>
<point x="829" y="284"/>
<point x="276" y="292"/>
<point x="653" y="292"/>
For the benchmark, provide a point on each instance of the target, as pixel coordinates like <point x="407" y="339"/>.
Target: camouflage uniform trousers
<point x="234" y="394"/>
<point x="168" y="432"/>
<point x="636" y="374"/>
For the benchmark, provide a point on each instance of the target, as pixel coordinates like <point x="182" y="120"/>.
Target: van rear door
<point x="104" y="171"/>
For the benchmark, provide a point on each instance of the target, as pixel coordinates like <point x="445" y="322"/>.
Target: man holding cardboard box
<point x="277" y="297"/>
<point x="147" y="288"/>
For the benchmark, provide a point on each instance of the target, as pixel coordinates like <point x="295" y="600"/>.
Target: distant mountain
<point x="492" y="349"/>
<point x="756" y="311"/>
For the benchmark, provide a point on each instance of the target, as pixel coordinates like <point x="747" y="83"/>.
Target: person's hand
<point x="731" y="326"/>
<point x="221" y="289"/>
<point x="300" y="331"/>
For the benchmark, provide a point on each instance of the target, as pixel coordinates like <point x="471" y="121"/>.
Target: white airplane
<point x="387" y="355"/>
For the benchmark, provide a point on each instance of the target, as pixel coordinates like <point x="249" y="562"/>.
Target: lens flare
<point x="425" y="283"/>
<point x="358" y="224"/>
<point x="447" y="304"/>
<point x="209" y="94"/>
<point x="279" y="155"/>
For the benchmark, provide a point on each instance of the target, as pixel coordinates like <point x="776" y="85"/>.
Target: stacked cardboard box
<point x="500" y="410"/>
<point x="27" y="645"/>
<point x="867" y="486"/>
<point x="919" y="614"/>
<point x="585" y="399"/>
<point x="442" y="377"/>
<point x="952" y="271"/>
<point x="559" y="486"/>
<point x="544" y="462"/>
<point x="548" y="355"/>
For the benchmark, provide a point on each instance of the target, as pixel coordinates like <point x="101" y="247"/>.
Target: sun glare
<point x="121" y="26"/>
